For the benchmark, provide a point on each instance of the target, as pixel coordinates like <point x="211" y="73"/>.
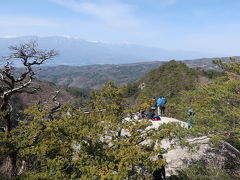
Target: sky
<point x="193" y="25"/>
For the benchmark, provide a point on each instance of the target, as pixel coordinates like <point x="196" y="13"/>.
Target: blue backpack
<point x="161" y="102"/>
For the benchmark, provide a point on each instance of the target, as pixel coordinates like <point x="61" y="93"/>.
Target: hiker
<point x="153" y="105"/>
<point x="188" y="124"/>
<point x="161" y="105"/>
<point x="190" y="115"/>
<point x="159" y="174"/>
<point x="150" y="114"/>
<point x="190" y="112"/>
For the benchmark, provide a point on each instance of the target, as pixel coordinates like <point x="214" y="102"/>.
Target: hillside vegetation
<point x="95" y="76"/>
<point x="216" y="105"/>
<point x="169" y="80"/>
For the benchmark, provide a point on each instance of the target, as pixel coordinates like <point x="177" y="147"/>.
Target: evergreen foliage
<point x="199" y="171"/>
<point x="99" y="144"/>
<point x="168" y="80"/>
<point x="78" y="92"/>
<point x="81" y="96"/>
<point x="216" y="105"/>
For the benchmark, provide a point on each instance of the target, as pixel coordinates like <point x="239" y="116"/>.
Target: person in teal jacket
<point x="161" y="102"/>
<point x="190" y="115"/>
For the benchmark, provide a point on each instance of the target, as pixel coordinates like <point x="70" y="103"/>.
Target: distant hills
<point x="206" y="63"/>
<point x="94" y="76"/>
<point x="75" y="51"/>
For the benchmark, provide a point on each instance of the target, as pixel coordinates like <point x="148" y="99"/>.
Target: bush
<point x="201" y="172"/>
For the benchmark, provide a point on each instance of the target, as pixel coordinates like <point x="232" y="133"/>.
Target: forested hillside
<point x="94" y="76"/>
<point x="169" y="80"/>
<point x="216" y="105"/>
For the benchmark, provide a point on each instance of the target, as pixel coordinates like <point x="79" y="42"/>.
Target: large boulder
<point x="223" y="156"/>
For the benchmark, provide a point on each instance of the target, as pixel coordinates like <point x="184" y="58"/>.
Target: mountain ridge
<point x="76" y="51"/>
<point x="94" y="76"/>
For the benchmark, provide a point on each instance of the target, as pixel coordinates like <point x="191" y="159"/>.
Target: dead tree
<point x="13" y="82"/>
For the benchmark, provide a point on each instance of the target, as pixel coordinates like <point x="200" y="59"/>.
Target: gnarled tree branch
<point x="56" y="107"/>
<point x="13" y="82"/>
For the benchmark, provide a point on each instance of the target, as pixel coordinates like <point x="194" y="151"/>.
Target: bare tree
<point x="13" y="82"/>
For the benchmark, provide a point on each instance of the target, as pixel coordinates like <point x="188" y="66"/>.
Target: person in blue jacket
<point x="161" y="102"/>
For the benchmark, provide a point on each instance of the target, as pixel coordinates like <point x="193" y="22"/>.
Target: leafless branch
<point x="14" y="83"/>
<point x="30" y="56"/>
<point x="57" y="104"/>
<point x="10" y="107"/>
<point x="16" y="89"/>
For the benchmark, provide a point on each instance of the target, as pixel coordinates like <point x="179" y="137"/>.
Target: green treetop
<point x="216" y="105"/>
<point x="99" y="144"/>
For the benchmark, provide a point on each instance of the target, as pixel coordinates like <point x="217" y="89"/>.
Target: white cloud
<point x="18" y="21"/>
<point x="111" y="12"/>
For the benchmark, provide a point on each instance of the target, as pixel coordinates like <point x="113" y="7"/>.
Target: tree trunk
<point x="8" y="168"/>
<point x="6" y="118"/>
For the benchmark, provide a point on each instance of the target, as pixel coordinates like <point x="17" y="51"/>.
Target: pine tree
<point x="216" y="105"/>
<point x="98" y="144"/>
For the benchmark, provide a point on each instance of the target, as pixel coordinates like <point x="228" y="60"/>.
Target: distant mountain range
<point x="94" y="76"/>
<point x="80" y="52"/>
<point x="87" y="64"/>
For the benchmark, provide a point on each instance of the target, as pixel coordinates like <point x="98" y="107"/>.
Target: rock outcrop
<point x="223" y="156"/>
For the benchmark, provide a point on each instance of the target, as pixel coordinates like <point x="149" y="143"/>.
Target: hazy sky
<point x="198" y="25"/>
